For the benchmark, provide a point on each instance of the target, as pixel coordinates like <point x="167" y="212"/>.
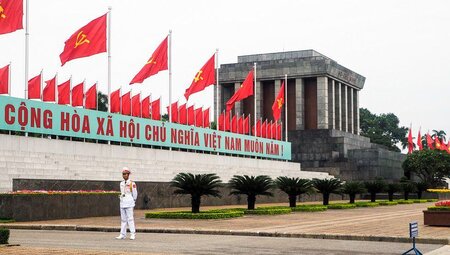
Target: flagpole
<point x="254" y="90"/>
<point x="170" y="74"/>
<point x="96" y="96"/>
<point x="41" y="84"/>
<point x="109" y="58"/>
<point x="56" y="88"/>
<point x="217" y="89"/>
<point x="9" y="78"/>
<point x="285" y="107"/>
<point x="70" y="90"/>
<point x="27" y="40"/>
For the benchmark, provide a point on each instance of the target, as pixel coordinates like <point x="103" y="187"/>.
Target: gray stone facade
<point x="323" y="112"/>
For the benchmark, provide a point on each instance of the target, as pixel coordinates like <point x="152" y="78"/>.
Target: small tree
<point x="251" y="186"/>
<point x="352" y="189"/>
<point x="420" y="188"/>
<point x="197" y="186"/>
<point x="374" y="188"/>
<point x="408" y="187"/>
<point x="294" y="187"/>
<point x="326" y="187"/>
<point x="431" y="166"/>
<point x="391" y="188"/>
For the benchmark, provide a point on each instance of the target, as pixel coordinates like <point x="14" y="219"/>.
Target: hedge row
<point x="341" y="206"/>
<point x="439" y="208"/>
<point x="268" y="211"/>
<point x="311" y="208"/>
<point x="4" y="235"/>
<point x="384" y="203"/>
<point x="367" y="204"/>
<point x="215" y="214"/>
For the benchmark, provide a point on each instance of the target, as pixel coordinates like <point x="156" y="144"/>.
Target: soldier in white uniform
<point x="128" y="195"/>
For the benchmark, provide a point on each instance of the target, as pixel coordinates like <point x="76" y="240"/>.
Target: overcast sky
<point x="401" y="47"/>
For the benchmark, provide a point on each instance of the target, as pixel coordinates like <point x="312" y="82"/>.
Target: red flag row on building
<point x="435" y="143"/>
<point x="133" y="105"/>
<point x="66" y="96"/>
<point x="189" y="115"/>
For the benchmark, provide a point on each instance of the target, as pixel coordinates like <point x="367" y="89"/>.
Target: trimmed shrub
<point x="6" y="220"/>
<point x="439" y="208"/>
<point x="420" y="201"/>
<point x="316" y="208"/>
<point x="214" y="214"/>
<point x="385" y="203"/>
<point x="403" y="202"/>
<point x="268" y="211"/>
<point x="432" y="200"/>
<point x="367" y="204"/>
<point x="4" y="235"/>
<point x="341" y="206"/>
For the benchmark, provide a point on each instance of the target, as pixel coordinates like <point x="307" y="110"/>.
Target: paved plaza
<point x="384" y="223"/>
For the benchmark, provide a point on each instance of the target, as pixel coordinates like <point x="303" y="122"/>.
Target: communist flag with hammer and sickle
<point x="86" y="41"/>
<point x="11" y="15"/>
<point x="156" y="63"/>
<point x="278" y="104"/>
<point x="204" y="77"/>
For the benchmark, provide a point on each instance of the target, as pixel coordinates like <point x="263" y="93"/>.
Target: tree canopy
<point x="431" y="166"/>
<point x="383" y="129"/>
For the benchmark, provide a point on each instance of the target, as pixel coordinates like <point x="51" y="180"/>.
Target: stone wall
<point x="41" y="158"/>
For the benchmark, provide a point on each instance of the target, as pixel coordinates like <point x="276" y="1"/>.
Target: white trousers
<point x="126" y="218"/>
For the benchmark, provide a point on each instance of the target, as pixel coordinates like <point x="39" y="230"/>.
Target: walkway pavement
<point x="383" y="223"/>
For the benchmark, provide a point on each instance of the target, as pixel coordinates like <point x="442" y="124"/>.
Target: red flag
<point x="430" y="142"/>
<point x="274" y="130"/>
<point x="437" y="143"/>
<point x="191" y="115"/>
<point x="245" y="91"/>
<point x="198" y="117"/>
<point x="156" y="63"/>
<point x="64" y="93"/>
<point x="234" y="124"/>
<point x="136" y="105"/>
<point x="34" y="87"/>
<point x="174" y="112"/>
<point x="146" y="107"/>
<point x="269" y="130"/>
<point x="206" y="118"/>
<point x="86" y="41"/>
<point x="278" y="103"/>
<point x="156" y="109"/>
<point x="183" y="114"/>
<point x="257" y="129"/>
<point x="204" y="77"/>
<point x="11" y="15"/>
<point x="410" y="142"/>
<point x="264" y="129"/>
<point x="115" y="101"/>
<point x="91" y="98"/>
<point x="246" y="125"/>
<point x="240" y="125"/>
<point x="221" y="122"/>
<point x="279" y="135"/>
<point x="227" y="121"/>
<point x="419" y="141"/>
<point x="4" y="79"/>
<point x="126" y="103"/>
<point x="444" y="146"/>
<point x="48" y="94"/>
<point x="448" y="147"/>
<point x="78" y="95"/>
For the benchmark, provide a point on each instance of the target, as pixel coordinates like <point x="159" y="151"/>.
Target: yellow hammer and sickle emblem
<point x="280" y="102"/>
<point x="2" y="13"/>
<point x="151" y="61"/>
<point x="81" y="38"/>
<point x="198" y="77"/>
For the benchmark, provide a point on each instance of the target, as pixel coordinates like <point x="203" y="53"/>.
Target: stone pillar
<point x="344" y="107"/>
<point x="350" y="109"/>
<point x="331" y="105"/>
<point x="356" y="109"/>
<point x="322" y="102"/>
<point x="237" y="105"/>
<point x="258" y="95"/>
<point x="338" y="103"/>
<point x="299" y="104"/>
